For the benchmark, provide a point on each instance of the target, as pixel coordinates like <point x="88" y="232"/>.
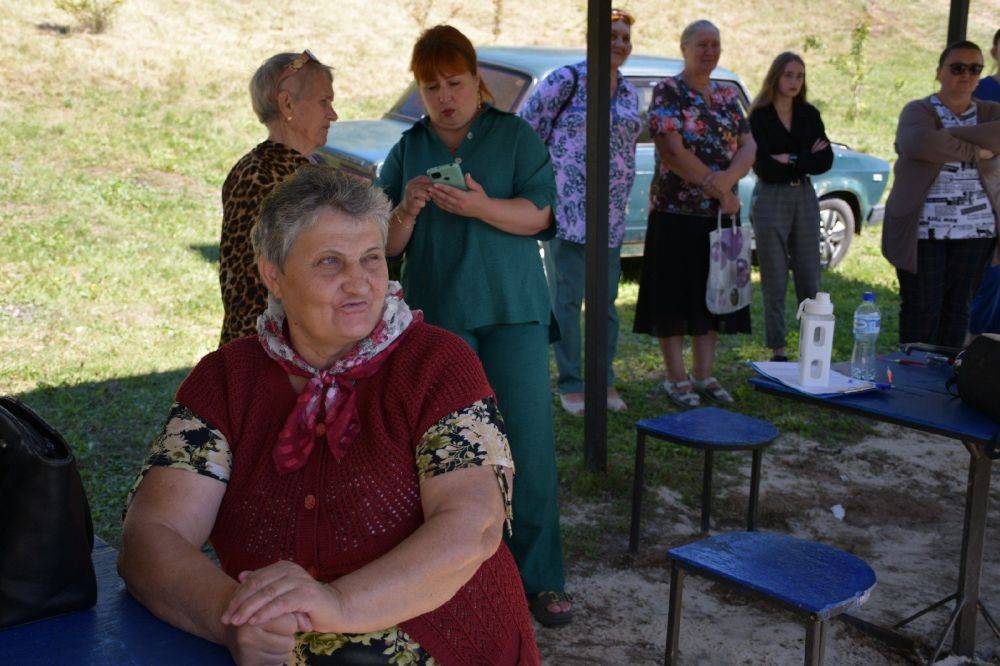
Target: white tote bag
<point x="728" y="288"/>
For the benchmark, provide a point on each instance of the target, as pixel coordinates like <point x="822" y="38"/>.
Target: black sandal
<point x="539" y="605"/>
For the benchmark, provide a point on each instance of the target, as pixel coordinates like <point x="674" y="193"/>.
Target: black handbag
<point x="977" y="375"/>
<point x="46" y="532"/>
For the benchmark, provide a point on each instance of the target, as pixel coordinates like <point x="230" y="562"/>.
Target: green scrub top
<point x="462" y="272"/>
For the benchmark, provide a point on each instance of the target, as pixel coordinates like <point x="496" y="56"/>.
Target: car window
<point x="644" y="86"/>
<point x="507" y="86"/>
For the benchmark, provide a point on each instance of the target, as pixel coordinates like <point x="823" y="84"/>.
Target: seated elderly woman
<point x="347" y="463"/>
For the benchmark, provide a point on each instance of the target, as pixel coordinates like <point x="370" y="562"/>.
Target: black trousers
<point x="934" y="301"/>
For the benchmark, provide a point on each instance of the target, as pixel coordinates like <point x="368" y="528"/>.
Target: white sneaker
<point x="615" y="402"/>
<point x="574" y="407"/>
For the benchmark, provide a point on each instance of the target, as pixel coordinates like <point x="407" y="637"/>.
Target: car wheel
<point x="836" y="229"/>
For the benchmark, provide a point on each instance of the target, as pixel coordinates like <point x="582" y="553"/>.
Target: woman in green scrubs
<point x="472" y="266"/>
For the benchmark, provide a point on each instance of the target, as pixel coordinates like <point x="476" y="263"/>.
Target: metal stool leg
<point x="637" y="488"/>
<point x="706" y="491"/>
<point x="815" y="641"/>
<point x="758" y="454"/>
<point x="674" y="613"/>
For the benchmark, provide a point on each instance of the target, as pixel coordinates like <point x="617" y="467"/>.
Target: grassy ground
<point x="113" y="148"/>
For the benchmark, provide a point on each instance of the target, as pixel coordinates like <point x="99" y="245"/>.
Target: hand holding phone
<point x="448" y="174"/>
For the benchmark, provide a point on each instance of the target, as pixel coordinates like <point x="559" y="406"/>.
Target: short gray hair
<point x="264" y="80"/>
<point x="700" y="24"/>
<point x="297" y="202"/>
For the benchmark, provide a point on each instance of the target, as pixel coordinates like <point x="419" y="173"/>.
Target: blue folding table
<point x="920" y="400"/>
<point x="118" y="631"/>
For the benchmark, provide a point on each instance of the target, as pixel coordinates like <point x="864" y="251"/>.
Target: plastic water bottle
<point x="867" y="324"/>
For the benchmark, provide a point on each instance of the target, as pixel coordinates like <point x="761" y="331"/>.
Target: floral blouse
<point x="567" y="143"/>
<point x="469" y="437"/>
<point x="710" y="130"/>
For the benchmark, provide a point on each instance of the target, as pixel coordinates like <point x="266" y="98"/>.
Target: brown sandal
<point x="539" y="605"/>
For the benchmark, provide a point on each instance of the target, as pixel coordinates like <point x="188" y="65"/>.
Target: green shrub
<point x="91" y="15"/>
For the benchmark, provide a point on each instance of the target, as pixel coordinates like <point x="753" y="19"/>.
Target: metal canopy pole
<point x="595" y="428"/>
<point x="958" y="20"/>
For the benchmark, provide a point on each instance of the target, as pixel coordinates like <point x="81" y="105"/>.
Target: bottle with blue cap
<point x="867" y="324"/>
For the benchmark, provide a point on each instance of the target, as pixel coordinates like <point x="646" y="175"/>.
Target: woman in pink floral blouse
<point x="703" y="148"/>
<point x="557" y="111"/>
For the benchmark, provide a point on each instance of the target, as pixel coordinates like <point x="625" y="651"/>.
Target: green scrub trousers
<point x="487" y="286"/>
<point x="515" y="357"/>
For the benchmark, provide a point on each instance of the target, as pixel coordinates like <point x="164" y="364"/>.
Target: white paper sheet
<point x="787" y="373"/>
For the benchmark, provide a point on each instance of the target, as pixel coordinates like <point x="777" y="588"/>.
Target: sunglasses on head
<point x="293" y="67"/>
<point x="959" y="68"/>
<point x="622" y="15"/>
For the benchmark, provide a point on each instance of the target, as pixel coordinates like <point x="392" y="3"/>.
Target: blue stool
<point x="710" y="429"/>
<point x="818" y="581"/>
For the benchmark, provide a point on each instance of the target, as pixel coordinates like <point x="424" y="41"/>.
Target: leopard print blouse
<point x="244" y="297"/>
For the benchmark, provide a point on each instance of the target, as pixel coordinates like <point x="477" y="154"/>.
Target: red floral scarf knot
<point x="327" y="409"/>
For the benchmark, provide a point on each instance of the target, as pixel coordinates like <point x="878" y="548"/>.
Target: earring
<point x="288" y="117"/>
<point x="480" y="99"/>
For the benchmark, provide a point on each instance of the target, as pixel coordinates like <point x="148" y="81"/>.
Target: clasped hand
<point x="719" y="185"/>
<point x="271" y="605"/>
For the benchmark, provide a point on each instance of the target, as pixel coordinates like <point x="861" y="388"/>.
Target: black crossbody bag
<point x="46" y="532"/>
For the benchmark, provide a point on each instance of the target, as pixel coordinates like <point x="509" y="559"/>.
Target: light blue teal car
<point x="848" y="192"/>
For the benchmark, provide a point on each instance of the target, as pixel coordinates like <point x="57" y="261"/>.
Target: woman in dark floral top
<point x="703" y="148"/>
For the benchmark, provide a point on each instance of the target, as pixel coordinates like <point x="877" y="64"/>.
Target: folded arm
<point x="819" y="158"/>
<point x="919" y="138"/>
<point x="161" y="561"/>
<point x="464" y="517"/>
<point x="985" y="136"/>
<point x="163" y="567"/>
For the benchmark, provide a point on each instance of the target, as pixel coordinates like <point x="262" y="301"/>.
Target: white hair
<point x="263" y="95"/>
<point x="298" y="201"/>
<point x="692" y="28"/>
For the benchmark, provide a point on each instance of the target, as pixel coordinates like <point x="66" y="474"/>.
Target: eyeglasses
<point x="293" y="68"/>
<point x="959" y="68"/>
<point x="622" y="15"/>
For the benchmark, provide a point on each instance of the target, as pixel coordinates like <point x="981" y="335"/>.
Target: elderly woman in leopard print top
<point x="292" y="95"/>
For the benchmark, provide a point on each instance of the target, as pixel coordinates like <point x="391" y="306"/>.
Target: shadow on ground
<point x="109" y="450"/>
<point x="209" y="253"/>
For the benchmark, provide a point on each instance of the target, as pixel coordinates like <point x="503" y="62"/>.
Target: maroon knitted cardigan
<point x="333" y="517"/>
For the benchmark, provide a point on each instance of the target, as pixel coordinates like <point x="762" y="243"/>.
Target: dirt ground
<point x="902" y="494"/>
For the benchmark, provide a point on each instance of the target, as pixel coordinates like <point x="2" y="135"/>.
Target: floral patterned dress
<point x="565" y="135"/>
<point x="469" y="437"/>
<point x="672" y="289"/>
<point x="710" y="129"/>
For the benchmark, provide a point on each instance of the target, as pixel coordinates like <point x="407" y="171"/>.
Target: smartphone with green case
<point x="448" y="174"/>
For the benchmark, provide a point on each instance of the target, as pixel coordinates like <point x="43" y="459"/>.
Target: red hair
<point x="444" y="50"/>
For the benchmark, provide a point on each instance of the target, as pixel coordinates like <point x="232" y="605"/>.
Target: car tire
<point x="836" y="230"/>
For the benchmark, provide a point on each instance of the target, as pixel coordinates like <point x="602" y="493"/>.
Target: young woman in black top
<point x="791" y="145"/>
